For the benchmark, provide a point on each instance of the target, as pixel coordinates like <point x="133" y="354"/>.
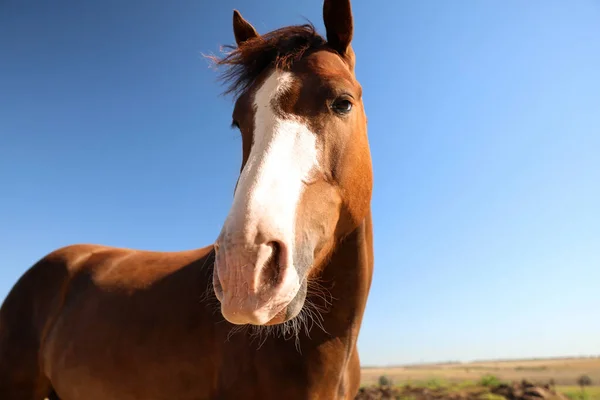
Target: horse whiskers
<point x="234" y="330"/>
<point x="316" y="288"/>
<point x="210" y="300"/>
<point x="208" y="296"/>
<point x="318" y="302"/>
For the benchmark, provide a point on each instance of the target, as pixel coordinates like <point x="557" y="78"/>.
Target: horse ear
<point x="242" y="29"/>
<point x="337" y="15"/>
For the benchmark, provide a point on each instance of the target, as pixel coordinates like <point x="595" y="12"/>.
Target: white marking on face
<point x="283" y="155"/>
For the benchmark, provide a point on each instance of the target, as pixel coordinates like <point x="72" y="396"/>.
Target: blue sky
<point x="484" y="122"/>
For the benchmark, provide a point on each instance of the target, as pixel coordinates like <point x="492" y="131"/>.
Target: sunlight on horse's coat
<point x="295" y="252"/>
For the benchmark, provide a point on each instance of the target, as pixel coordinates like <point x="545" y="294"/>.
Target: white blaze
<point x="282" y="157"/>
<point x="283" y="154"/>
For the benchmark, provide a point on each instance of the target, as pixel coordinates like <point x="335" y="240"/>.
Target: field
<point x="563" y="372"/>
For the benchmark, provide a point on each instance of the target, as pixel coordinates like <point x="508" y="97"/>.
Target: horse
<point x="273" y="308"/>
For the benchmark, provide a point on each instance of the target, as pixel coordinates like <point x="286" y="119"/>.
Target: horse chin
<point x="293" y="308"/>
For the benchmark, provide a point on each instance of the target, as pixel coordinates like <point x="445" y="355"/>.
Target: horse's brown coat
<point x="95" y="322"/>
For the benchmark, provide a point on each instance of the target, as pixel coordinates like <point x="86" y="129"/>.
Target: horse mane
<point x="279" y="48"/>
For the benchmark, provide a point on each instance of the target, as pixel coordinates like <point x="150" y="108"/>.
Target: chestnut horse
<point x="272" y="309"/>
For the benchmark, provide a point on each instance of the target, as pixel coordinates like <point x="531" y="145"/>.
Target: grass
<point x="563" y="371"/>
<point x="444" y="387"/>
<point x="435" y="384"/>
<point x="574" y="392"/>
<point x="492" y="396"/>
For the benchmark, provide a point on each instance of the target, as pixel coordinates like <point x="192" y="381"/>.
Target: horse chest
<point x="108" y="358"/>
<point x="278" y="371"/>
<point x="135" y="353"/>
<point x="125" y="369"/>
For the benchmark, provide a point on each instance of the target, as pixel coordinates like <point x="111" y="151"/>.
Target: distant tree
<point x="385" y="381"/>
<point x="584" y="381"/>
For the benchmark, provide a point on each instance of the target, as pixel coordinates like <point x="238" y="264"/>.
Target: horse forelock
<point x="279" y="48"/>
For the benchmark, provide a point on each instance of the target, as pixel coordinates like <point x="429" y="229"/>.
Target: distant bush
<point x="489" y="381"/>
<point x="584" y="380"/>
<point x="385" y="381"/>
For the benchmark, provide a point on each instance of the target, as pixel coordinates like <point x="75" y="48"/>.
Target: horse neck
<point x="347" y="276"/>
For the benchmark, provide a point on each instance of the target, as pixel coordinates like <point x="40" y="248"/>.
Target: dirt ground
<point x="517" y="391"/>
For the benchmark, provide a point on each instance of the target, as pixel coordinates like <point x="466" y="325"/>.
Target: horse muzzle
<point x="254" y="282"/>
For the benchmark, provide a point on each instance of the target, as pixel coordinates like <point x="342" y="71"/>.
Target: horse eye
<point x="342" y="106"/>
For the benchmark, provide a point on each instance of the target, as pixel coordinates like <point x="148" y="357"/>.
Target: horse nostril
<point x="271" y="273"/>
